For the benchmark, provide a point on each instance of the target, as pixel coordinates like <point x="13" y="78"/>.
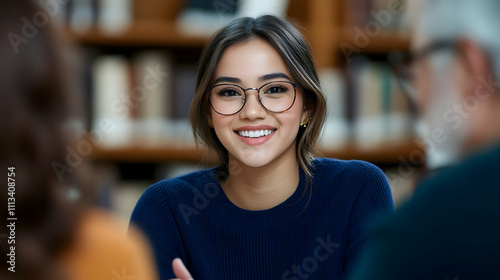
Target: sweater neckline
<point x="258" y="220"/>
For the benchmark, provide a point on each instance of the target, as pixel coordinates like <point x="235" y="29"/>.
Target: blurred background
<point x="138" y="67"/>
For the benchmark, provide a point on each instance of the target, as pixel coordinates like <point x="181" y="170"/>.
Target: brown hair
<point x="34" y="101"/>
<point x="294" y="50"/>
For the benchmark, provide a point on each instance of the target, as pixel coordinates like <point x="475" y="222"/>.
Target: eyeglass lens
<point x="228" y="99"/>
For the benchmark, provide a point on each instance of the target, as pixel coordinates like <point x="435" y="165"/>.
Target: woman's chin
<point x="253" y="160"/>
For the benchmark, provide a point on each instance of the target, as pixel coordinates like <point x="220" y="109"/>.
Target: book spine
<point x="381" y="112"/>
<point x="114" y="16"/>
<point x="153" y="94"/>
<point x="336" y="130"/>
<point x="185" y="88"/>
<point x="111" y="100"/>
<point x="81" y="15"/>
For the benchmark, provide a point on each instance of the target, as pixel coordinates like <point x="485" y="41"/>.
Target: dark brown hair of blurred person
<point x="34" y="106"/>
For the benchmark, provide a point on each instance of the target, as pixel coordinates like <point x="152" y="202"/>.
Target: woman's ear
<point x="306" y="114"/>
<point x="307" y="110"/>
<point x="308" y="107"/>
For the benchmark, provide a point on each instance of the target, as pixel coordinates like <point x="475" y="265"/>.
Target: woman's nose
<point x="252" y="109"/>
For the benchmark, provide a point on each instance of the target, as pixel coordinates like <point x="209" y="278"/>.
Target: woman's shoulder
<point x="181" y="186"/>
<point x="351" y="176"/>
<point x="352" y="179"/>
<point x="187" y="181"/>
<point x="346" y="168"/>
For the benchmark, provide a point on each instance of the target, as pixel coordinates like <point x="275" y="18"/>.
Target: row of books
<point x="198" y="17"/>
<point x="147" y="99"/>
<point x="366" y="106"/>
<point x="202" y="17"/>
<point x="136" y="95"/>
<point x="380" y="110"/>
<point x="111" y="16"/>
<point x="386" y="15"/>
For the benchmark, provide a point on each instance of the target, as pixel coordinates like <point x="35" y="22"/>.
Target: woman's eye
<point x="228" y="92"/>
<point x="276" y="89"/>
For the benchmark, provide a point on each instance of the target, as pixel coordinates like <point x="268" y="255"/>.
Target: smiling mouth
<point x="255" y="133"/>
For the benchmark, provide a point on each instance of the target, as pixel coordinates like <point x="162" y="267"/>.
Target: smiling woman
<point x="260" y="107"/>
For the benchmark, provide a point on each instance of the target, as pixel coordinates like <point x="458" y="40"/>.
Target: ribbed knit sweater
<point x="317" y="233"/>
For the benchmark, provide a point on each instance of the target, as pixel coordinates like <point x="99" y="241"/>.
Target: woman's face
<point x="252" y="64"/>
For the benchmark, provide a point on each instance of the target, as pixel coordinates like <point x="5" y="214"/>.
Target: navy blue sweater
<point x="311" y="235"/>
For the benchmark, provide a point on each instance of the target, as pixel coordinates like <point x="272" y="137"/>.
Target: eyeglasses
<point x="402" y="64"/>
<point x="275" y="97"/>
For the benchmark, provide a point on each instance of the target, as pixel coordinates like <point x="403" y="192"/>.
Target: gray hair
<point x="472" y="19"/>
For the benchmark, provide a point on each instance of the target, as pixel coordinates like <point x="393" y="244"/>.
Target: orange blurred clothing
<point x="101" y="250"/>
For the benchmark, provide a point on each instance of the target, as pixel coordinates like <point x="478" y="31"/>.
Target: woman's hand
<point x="180" y="270"/>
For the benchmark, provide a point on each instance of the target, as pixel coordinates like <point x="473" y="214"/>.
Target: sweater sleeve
<point x="152" y="214"/>
<point x="373" y="197"/>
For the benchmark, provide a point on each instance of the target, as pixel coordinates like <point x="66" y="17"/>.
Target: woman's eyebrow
<point x="227" y="80"/>
<point x="274" y="76"/>
<point x="261" y="78"/>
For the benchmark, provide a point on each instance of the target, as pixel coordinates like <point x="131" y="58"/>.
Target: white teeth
<point x="255" y="134"/>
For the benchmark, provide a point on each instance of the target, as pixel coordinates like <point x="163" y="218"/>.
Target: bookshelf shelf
<point x="179" y="153"/>
<point x="325" y="28"/>
<point x="384" y="42"/>
<point x="140" y="33"/>
<point x="383" y="154"/>
<point x="389" y="153"/>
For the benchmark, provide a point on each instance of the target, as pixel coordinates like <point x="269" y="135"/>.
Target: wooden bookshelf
<point x="141" y="33"/>
<point x="390" y="153"/>
<point x="177" y="153"/>
<point x="323" y="27"/>
<point x="383" y="43"/>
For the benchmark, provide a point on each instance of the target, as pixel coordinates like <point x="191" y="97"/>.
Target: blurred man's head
<point x="456" y="70"/>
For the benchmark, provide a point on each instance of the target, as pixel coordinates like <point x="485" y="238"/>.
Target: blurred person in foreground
<point x="450" y="228"/>
<point x="54" y="236"/>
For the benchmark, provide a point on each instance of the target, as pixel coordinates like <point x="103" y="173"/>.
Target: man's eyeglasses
<point x="275" y="97"/>
<point x="402" y="63"/>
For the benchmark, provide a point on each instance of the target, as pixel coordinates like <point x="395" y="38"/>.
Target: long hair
<point x="34" y="103"/>
<point x="294" y="50"/>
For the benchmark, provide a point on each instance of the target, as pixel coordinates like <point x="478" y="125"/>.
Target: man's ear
<point x="475" y="59"/>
